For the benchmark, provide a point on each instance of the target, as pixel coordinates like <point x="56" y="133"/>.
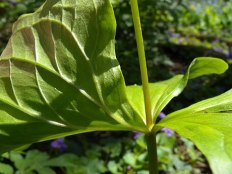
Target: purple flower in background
<point x="136" y="135"/>
<point x="176" y="35"/>
<point x="13" y="2"/>
<point x="162" y="115"/>
<point x="228" y="54"/>
<point x="217" y="49"/>
<point x="216" y="41"/>
<point x="168" y="131"/>
<point x="217" y="46"/>
<point x="59" y="144"/>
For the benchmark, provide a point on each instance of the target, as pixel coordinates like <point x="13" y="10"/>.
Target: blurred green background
<point x="175" y="32"/>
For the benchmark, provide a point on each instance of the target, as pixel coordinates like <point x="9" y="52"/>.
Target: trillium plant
<point x="59" y="76"/>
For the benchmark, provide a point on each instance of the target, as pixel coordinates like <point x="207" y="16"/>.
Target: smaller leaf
<point x="130" y="158"/>
<point x="163" y="92"/>
<point x="45" y="170"/>
<point x="65" y="160"/>
<point x="206" y="65"/>
<point x="112" y="166"/>
<point x="6" y="169"/>
<point x="208" y="124"/>
<point x="33" y="161"/>
<point x="143" y="172"/>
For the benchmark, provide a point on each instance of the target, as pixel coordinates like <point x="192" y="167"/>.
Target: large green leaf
<point x="208" y="124"/>
<point x="59" y="75"/>
<point x="162" y="92"/>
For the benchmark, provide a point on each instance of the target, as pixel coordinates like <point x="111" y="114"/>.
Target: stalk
<point x="142" y="61"/>
<point x="152" y="152"/>
<point x="150" y="136"/>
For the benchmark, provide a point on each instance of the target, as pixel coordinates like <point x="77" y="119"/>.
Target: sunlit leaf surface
<point x="208" y="124"/>
<point x="162" y="92"/>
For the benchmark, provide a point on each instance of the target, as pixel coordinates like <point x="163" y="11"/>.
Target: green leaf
<point x="65" y="160"/>
<point x="162" y="92"/>
<point x="206" y="65"/>
<point x="59" y="75"/>
<point x="45" y="171"/>
<point x="34" y="160"/>
<point x="208" y="125"/>
<point x="113" y="167"/>
<point x="159" y="92"/>
<point x="130" y="158"/>
<point x="79" y="165"/>
<point x="6" y="169"/>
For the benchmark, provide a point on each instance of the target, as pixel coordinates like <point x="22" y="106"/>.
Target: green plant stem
<point x="152" y="152"/>
<point x="150" y="136"/>
<point x="142" y="61"/>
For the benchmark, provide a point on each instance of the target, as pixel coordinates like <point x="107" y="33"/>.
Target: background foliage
<point x="175" y="32"/>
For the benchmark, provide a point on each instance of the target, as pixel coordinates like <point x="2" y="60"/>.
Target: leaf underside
<point x="59" y="75"/>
